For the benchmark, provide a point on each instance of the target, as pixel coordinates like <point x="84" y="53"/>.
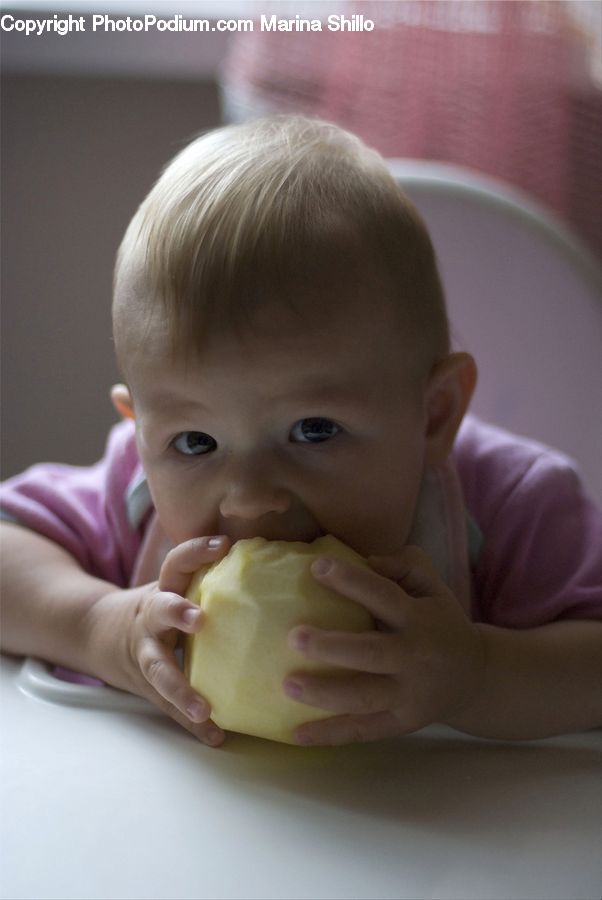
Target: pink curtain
<point x="502" y="87"/>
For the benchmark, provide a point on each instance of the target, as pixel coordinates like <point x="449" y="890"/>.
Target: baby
<point x="282" y="334"/>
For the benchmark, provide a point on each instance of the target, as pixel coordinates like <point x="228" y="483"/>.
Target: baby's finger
<point x="413" y="570"/>
<point x="368" y="651"/>
<point x="348" y="730"/>
<point x="207" y="732"/>
<point x="159" y="668"/>
<point x="357" y="694"/>
<point x="185" y="559"/>
<point x="379" y="595"/>
<point x="166" y="610"/>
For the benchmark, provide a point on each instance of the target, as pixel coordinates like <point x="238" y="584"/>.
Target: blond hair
<point x="269" y="210"/>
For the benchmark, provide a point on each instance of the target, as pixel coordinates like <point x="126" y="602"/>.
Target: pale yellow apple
<point x="251" y="599"/>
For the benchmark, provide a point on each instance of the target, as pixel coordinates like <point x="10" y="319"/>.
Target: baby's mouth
<point x="278" y="532"/>
<point x="296" y="524"/>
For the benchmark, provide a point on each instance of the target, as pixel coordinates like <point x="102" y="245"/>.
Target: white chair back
<point x="525" y="297"/>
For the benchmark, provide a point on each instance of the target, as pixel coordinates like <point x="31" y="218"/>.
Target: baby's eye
<point x="314" y="430"/>
<point x="194" y="443"/>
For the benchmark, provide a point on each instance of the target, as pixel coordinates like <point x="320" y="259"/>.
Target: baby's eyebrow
<point x="314" y="390"/>
<point x="174" y="403"/>
<point x="306" y="392"/>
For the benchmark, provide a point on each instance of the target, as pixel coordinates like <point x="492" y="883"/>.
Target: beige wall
<point x="78" y="155"/>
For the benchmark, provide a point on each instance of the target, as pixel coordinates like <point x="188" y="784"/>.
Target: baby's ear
<point x="450" y="387"/>
<point x="122" y="401"/>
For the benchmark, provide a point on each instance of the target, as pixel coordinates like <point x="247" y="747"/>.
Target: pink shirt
<point x="534" y="536"/>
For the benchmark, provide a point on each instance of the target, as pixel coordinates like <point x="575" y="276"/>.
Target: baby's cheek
<point x="181" y="512"/>
<point x="377" y="524"/>
<point x="384" y="496"/>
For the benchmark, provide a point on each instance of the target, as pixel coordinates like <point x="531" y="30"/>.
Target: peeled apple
<point x="251" y="600"/>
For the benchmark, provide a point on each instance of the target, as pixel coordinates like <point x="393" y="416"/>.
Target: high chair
<point x="525" y="298"/>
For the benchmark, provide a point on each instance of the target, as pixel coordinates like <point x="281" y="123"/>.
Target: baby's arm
<point x="429" y="663"/>
<point x="54" y="610"/>
<point x="537" y="682"/>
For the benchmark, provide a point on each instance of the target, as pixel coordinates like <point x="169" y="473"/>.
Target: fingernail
<point x="293" y="689"/>
<point x="299" y="639"/>
<point x="214" y="542"/>
<point x="191" y="615"/>
<point x="321" y="566"/>
<point x="213" y="736"/>
<point x="196" y="711"/>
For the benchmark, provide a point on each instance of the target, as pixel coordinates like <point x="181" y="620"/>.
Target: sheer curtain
<point x="511" y="89"/>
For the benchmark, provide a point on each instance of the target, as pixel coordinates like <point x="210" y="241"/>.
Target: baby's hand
<point x="135" y="633"/>
<point x="421" y="666"/>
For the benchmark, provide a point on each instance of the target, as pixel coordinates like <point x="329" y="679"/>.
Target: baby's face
<point x="300" y="429"/>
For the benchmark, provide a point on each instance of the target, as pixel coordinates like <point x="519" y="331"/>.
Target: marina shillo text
<point x="177" y="23"/>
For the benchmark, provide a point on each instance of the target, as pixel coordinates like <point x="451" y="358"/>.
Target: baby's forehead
<point x="140" y="326"/>
<point x="286" y="306"/>
<point x="277" y="362"/>
<point x="350" y="323"/>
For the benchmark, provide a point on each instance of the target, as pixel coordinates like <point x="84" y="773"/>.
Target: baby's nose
<point x="251" y="496"/>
